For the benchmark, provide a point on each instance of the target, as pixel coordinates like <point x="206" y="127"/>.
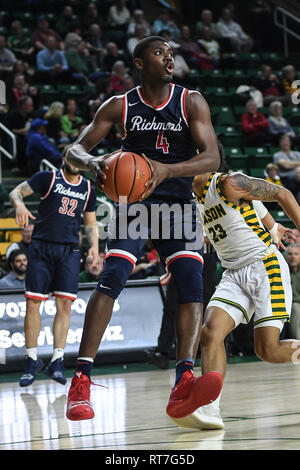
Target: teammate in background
<point x="172" y="127"/>
<point x="256" y="279"/>
<point x="54" y="256"/>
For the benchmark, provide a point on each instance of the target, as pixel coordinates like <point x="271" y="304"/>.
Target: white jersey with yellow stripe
<point x="236" y="233"/>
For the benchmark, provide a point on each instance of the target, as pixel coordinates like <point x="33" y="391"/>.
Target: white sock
<point x="58" y="353"/>
<point x="90" y="359"/>
<point x="31" y="352"/>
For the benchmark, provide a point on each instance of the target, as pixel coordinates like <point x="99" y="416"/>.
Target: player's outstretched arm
<point x="108" y="114"/>
<point x="16" y="198"/>
<point x="239" y="186"/>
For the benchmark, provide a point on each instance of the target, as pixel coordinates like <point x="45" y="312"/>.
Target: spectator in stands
<point x="66" y="21"/>
<point x="118" y="74"/>
<point x="272" y="174"/>
<point x="138" y="18"/>
<point x="210" y="45"/>
<point x="91" y="16"/>
<point x="20" y="89"/>
<point x="292" y="183"/>
<point x="119" y="15"/>
<point x="23" y="245"/>
<point x="73" y="38"/>
<point x="92" y="269"/>
<point x="292" y="256"/>
<point x="41" y="35"/>
<point x="18" y="121"/>
<point x="15" y="279"/>
<point x="192" y="51"/>
<point x="39" y="147"/>
<point x="112" y="55"/>
<point x="270" y="86"/>
<point x="288" y="77"/>
<point x="23" y="68"/>
<point x="279" y="125"/>
<point x="181" y="69"/>
<point x="128" y="83"/>
<point x="71" y="123"/>
<point x="19" y="42"/>
<point x="7" y="59"/>
<point x="54" y="128"/>
<point x="51" y="63"/>
<point x="143" y="268"/>
<point x="228" y="28"/>
<point x="165" y="22"/>
<point x="103" y="89"/>
<point x="3" y="198"/>
<point x="138" y="36"/>
<point x="81" y="65"/>
<point x="96" y="43"/>
<point x="255" y="126"/>
<point x="286" y="159"/>
<point x="207" y="21"/>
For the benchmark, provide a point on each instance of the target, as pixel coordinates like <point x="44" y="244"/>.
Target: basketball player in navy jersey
<point x="54" y="256"/>
<point x="172" y="127"/>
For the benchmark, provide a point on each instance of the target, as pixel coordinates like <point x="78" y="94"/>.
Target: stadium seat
<point x="219" y="96"/>
<point x="294" y="116"/>
<point x="236" y="158"/>
<point x="256" y="172"/>
<point x="238" y="77"/>
<point x="224" y="116"/>
<point x="229" y="136"/>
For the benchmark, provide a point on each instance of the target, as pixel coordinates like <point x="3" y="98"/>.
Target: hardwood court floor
<point x="260" y="407"/>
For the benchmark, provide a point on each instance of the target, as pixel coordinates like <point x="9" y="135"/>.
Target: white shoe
<point x="205" y="417"/>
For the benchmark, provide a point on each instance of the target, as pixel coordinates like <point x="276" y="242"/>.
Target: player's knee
<point x="266" y="351"/>
<point x="187" y="275"/>
<point x="114" y="276"/>
<point x="63" y="305"/>
<point x="211" y="335"/>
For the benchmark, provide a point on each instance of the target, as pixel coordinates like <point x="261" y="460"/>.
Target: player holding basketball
<point x="172" y="127"/>
<point x="54" y="256"/>
<point x="256" y="279"/>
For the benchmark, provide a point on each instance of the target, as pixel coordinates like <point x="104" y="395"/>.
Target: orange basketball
<point x="126" y="175"/>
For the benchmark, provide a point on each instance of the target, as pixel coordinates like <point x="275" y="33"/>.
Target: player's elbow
<point x="283" y="195"/>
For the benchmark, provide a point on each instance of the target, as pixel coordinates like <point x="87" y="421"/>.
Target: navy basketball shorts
<point x="175" y="232"/>
<point x="52" y="269"/>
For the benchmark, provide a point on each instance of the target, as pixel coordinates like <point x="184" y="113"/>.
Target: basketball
<point x="126" y="175"/>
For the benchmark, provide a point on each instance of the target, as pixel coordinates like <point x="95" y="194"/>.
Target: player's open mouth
<point x="170" y="68"/>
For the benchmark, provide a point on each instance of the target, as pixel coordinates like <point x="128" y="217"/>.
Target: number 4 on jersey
<point x="161" y="142"/>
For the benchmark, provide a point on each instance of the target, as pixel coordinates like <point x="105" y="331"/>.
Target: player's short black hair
<point x="142" y="46"/>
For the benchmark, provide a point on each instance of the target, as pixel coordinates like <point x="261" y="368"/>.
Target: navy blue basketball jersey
<point x="62" y="204"/>
<point x="162" y="134"/>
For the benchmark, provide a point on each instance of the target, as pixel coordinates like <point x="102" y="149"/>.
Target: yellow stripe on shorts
<point x="272" y="266"/>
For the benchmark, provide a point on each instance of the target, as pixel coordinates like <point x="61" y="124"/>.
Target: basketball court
<point x="260" y="408"/>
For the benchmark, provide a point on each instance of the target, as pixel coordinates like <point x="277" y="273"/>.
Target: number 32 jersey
<point x="236" y="232"/>
<point x="162" y="134"/>
<point x="61" y="207"/>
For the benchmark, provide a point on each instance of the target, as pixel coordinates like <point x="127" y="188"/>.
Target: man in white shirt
<point x="228" y="28"/>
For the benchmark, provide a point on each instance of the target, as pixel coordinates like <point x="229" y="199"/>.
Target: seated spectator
<point x="103" y="89"/>
<point x="92" y="269"/>
<point x="119" y="15"/>
<point x="20" y="43"/>
<point x="66" y="21"/>
<point x="16" y="277"/>
<point x="181" y="69"/>
<point x="142" y="269"/>
<point x="270" y="86"/>
<point x="272" y="174"/>
<point x="42" y="33"/>
<point x="117" y="76"/>
<point x="293" y="184"/>
<point x="24" y="243"/>
<point x="96" y="43"/>
<point x="3" y="198"/>
<point x="210" y="45"/>
<point x="23" y="68"/>
<point x="18" y="121"/>
<point x="207" y="21"/>
<point x="71" y="123"/>
<point x="128" y="83"/>
<point x="165" y="22"/>
<point x="113" y="53"/>
<point x="292" y="256"/>
<point x="192" y="51"/>
<point x="54" y="129"/>
<point x="286" y="159"/>
<point x="39" y="147"/>
<point x="231" y="30"/>
<point x="255" y="126"/>
<point x="91" y="16"/>
<point x="73" y="39"/>
<point x="7" y="59"/>
<point x="288" y="77"/>
<point x="138" y="18"/>
<point x="20" y="89"/>
<point x="279" y="125"/>
<point x="138" y="36"/>
<point x="81" y="65"/>
<point x="51" y="63"/>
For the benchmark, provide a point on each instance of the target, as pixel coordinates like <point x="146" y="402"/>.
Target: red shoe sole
<point x="72" y="415"/>
<point x="205" y="390"/>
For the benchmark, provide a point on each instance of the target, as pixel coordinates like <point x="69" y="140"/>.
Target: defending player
<point x="169" y="125"/>
<point x="54" y="256"/>
<point x="256" y="279"/>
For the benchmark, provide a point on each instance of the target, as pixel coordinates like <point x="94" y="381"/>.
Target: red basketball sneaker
<point x="78" y="404"/>
<point x="192" y="392"/>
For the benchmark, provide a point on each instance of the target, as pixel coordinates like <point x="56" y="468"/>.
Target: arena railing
<point x="286" y="15"/>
